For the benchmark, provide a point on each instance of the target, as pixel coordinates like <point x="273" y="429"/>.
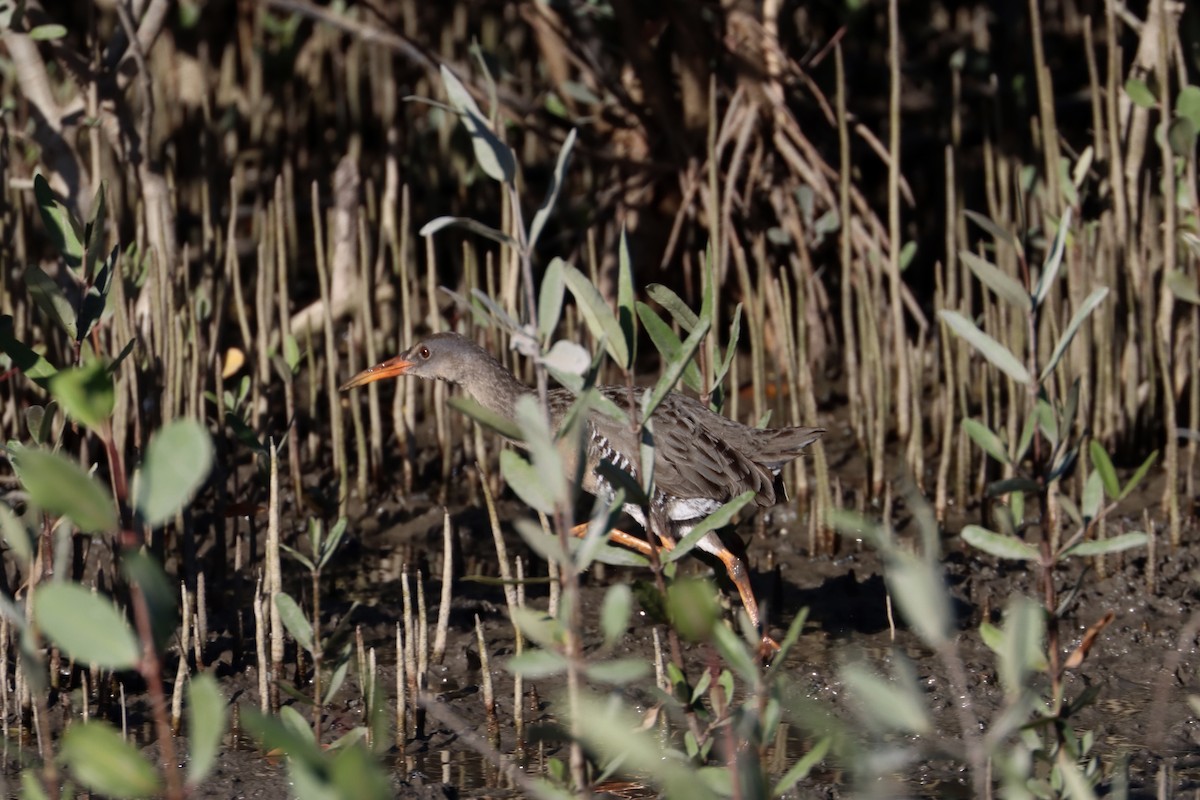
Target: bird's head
<point x="439" y="356"/>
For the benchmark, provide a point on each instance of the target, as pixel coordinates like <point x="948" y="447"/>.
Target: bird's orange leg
<point x="737" y="574"/>
<point x="618" y="536"/>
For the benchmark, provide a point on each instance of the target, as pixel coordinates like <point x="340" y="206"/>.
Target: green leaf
<point x="692" y="608"/>
<point x="50" y="299"/>
<point x="489" y="419"/>
<point x="31" y="786"/>
<point x="618" y="672"/>
<point x="45" y="33"/>
<point x="684" y="317"/>
<point x="493" y="156"/>
<point x="598" y="316"/>
<point x="86" y="626"/>
<point x="614" y="613"/>
<point x="1053" y="260"/>
<point x="546" y="545"/>
<point x="205" y="725"/>
<point x="883" y="704"/>
<point x="1093" y="495"/>
<point x="86" y="393"/>
<point x="535" y="665"/>
<point x="718" y="519"/>
<point x="675" y="368"/>
<point x="539" y="627"/>
<point x="999" y="355"/>
<point x="1085" y="309"/>
<point x="26" y="359"/>
<point x="986" y="439"/>
<point x="1021" y="645"/>
<point x="668" y="344"/>
<point x="273" y="733"/>
<point x="919" y="590"/>
<point x="162" y="596"/>
<point x="59" y="486"/>
<point x="556" y="182"/>
<point x="178" y="460"/>
<point x="65" y="231"/>
<point x="1183" y="287"/>
<point x="1099" y="547"/>
<point x="550" y="298"/>
<point x="18" y="537"/>
<point x="107" y="764"/>
<point x="803" y="766"/>
<point x="1140" y="93"/>
<point x="998" y="233"/>
<point x="1009" y="485"/>
<point x="735" y="329"/>
<point x="1181" y="136"/>
<point x="625" y="315"/>
<point x="1102" y="464"/>
<point x="478" y="228"/>
<point x="294" y="620"/>
<point x="1004" y="285"/>
<point x="95" y="233"/>
<point x="1187" y="104"/>
<point x="997" y="545"/>
<point x="543" y="451"/>
<point x="1138" y="475"/>
<point x="95" y="298"/>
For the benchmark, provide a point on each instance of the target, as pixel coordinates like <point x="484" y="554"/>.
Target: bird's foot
<point x="767" y="649"/>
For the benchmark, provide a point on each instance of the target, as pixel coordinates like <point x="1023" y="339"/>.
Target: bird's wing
<point x="693" y="455"/>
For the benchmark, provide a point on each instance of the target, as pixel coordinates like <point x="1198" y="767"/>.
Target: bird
<point x="702" y="460"/>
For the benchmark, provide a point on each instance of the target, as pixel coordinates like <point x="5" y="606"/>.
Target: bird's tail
<point x="778" y="446"/>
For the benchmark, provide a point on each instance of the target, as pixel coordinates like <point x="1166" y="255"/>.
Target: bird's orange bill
<point x="391" y="368"/>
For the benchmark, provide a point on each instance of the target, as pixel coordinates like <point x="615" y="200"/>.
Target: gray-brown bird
<point x="702" y="460"/>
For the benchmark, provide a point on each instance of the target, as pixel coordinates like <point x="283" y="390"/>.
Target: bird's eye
<point x="424" y="353"/>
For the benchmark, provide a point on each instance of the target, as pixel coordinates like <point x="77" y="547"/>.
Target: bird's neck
<point x="495" y="389"/>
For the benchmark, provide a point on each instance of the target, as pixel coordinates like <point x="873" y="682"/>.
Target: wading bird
<point x="701" y="459"/>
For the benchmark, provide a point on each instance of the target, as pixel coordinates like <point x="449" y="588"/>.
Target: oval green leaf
<point x="1099" y="547"/>
<point x="1085" y="309"/>
<point x="86" y="393"/>
<point x="596" y="313"/>
<point x="294" y="620"/>
<point x="177" y="463"/>
<point x="107" y="764"/>
<point x="205" y="724"/>
<point x="986" y="439"/>
<point x="61" y="487"/>
<point x="997" y="545"/>
<point x="493" y="156"/>
<point x="86" y="626"/>
<point x="999" y="355"/>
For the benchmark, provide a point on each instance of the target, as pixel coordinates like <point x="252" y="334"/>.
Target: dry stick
<point x="422" y="630"/>
<point x="260" y="647"/>
<point x="1166" y="301"/>
<point x="846" y="255"/>
<point x="900" y="341"/>
<point x="518" y="678"/>
<point x="331" y="382"/>
<point x="201" y="637"/>
<point x="443" y="620"/>
<point x="274" y="583"/>
<point x="182" y="670"/>
<point x="942" y="300"/>
<point x="366" y="285"/>
<point x="401" y="693"/>
<point x="485" y="673"/>
<point x="285" y="327"/>
<point x="365" y="459"/>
